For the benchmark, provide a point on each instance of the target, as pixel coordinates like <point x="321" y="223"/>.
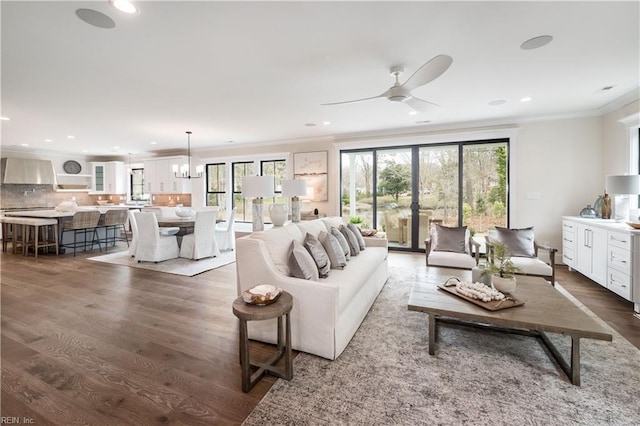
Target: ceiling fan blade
<point x="384" y="95"/>
<point x="420" y="105"/>
<point x="428" y="72"/>
<point x="426" y="102"/>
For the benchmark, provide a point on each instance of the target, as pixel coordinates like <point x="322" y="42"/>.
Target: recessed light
<point x="24" y="144"/>
<point x="124" y="6"/>
<point x="413" y="112"/>
<point x="423" y="122"/>
<point x="497" y="102"/>
<point x="326" y="123"/>
<point x="310" y="124"/>
<point x="48" y="140"/>
<point x="526" y="99"/>
<point x="4" y="118"/>
<point x="71" y="137"/>
<point x="85" y="150"/>
<point x="116" y="147"/>
<point x="536" y="42"/>
<point x="153" y="142"/>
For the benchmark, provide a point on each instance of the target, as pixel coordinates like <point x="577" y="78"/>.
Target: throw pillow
<point x="333" y="249"/>
<point x="358" y="234"/>
<point x="519" y="242"/>
<point x="343" y="242"/>
<point x="301" y="264"/>
<point x="351" y="239"/>
<point x="318" y="253"/>
<point x="450" y="239"/>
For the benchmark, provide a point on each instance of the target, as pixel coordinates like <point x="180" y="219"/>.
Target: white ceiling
<point x="258" y="72"/>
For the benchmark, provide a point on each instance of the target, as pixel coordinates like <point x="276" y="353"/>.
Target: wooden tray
<point x="494" y="305"/>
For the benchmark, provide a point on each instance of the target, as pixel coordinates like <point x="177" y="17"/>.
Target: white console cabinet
<point x="606" y="251"/>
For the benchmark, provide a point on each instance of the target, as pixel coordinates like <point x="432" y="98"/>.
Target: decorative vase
<point x="606" y="206"/>
<point x="503" y="284"/>
<point x="278" y="214"/>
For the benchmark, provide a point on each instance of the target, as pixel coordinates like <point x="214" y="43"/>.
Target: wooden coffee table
<point x="546" y="310"/>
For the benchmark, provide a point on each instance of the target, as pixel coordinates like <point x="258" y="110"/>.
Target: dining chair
<point x="225" y="234"/>
<point x="133" y="225"/>
<point x="151" y="245"/>
<point x="202" y="242"/>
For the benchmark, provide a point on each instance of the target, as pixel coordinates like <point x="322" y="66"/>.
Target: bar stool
<point x="12" y="233"/>
<point x="278" y="309"/>
<point x="83" y="222"/>
<point x="114" y="219"/>
<point x="39" y="233"/>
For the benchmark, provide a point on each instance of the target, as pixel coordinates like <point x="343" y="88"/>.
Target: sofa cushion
<point x="519" y="242"/>
<point x="314" y="246"/>
<point x="358" y="234"/>
<point x="301" y="263"/>
<point x="334" y="250"/>
<point x="351" y="239"/>
<point x="450" y="239"/>
<point x="278" y="242"/>
<point x="343" y="242"/>
<point x="313" y="227"/>
<point x="332" y="222"/>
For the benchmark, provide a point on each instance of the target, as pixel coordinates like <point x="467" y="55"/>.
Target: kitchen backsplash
<point x="14" y="196"/>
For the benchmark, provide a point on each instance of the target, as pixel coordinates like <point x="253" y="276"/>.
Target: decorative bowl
<point x="634" y="225"/>
<point x="104" y="202"/>
<point x="263" y="294"/>
<point x="185" y="212"/>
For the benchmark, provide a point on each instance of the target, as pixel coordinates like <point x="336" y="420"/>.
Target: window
<point x="403" y="190"/>
<point x="137" y="185"/>
<point x="242" y="205"/>
<point x="216" y="187"/>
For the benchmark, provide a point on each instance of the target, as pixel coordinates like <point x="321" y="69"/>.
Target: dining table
<point x="185" y="224"/>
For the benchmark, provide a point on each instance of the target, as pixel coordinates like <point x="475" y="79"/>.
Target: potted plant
<point x="501" y="268"/>
<point x="356" y="220"/>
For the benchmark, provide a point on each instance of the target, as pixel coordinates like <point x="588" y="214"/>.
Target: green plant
<point x="500" y="262"/>
<point x="355" y="220"/>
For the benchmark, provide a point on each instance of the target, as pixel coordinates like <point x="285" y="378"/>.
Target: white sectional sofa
<point x="326" y="313"/>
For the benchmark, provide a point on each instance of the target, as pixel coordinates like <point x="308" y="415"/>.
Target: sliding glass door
<point x="404" y="191"/>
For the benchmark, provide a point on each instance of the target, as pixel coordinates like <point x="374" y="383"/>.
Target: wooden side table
<point x="279" y="309"/>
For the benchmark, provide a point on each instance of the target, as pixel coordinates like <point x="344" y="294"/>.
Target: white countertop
<point x="610" y="224"/>
<point x="55" y="214"/>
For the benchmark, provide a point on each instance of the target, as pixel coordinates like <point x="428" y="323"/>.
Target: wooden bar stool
<point x="246" y="312"/>
<point x="12" y="232"/>
<point x="39" y="234"/>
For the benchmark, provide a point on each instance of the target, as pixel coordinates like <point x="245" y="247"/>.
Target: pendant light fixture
<point x="184" y="171"/>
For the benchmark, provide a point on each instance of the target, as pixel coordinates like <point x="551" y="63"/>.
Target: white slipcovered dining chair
<point x="225" y="234"/>
<point x="151" y="246"/>
<point x="202" y="243"/>
<point x="133" y="225"/>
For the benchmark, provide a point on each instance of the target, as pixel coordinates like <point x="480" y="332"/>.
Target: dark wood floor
<point x="92" y="343"/>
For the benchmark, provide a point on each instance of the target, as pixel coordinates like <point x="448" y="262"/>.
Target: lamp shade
<point x="623" y="184"/>
<point x="257" y="186"/>
<point x="294" y="187"/>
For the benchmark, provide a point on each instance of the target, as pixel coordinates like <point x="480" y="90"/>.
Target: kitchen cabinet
<point x="606" y="251"/>
<point x="160" y="179"/>
<point x="108" y="177"/>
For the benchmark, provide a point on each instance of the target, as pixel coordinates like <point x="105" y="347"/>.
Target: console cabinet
<point x="606" y="251"/>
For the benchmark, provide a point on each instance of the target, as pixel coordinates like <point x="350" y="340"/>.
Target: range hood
<point x="27" y="171"/>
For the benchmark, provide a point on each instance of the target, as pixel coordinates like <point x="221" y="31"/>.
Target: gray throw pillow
<point x="343" y="242"/>
<point x="351" y="239"/>
<point x="358" y="234"/>
<point x="519" y="242"/>
<point x="333" y="249"/>
<point x="450" y="239"/>
<point x="319" y="254"/>
<point x="301" y="264"/>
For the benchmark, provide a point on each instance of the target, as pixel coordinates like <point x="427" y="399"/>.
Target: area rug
<point x="385" y="376"/>
<point x="179" y="266"/>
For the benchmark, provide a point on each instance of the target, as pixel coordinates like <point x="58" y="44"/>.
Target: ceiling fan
<point x="428" y="72"/>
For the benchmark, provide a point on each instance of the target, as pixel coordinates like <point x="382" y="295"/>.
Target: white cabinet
<point x="108" y="177"/>
<point x="605" y="251"/>
<point x="160" y="179"/>
<point x="569" y="243"/>
<point x="591" y="250"/>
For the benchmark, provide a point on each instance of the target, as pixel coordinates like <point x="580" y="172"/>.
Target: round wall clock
<point x="72" y="167"/>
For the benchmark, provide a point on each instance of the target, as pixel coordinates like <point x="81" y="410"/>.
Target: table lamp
<point x="293" y="188"/>
<point x="257" y="187"/>
<point x="622" y="185"/>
